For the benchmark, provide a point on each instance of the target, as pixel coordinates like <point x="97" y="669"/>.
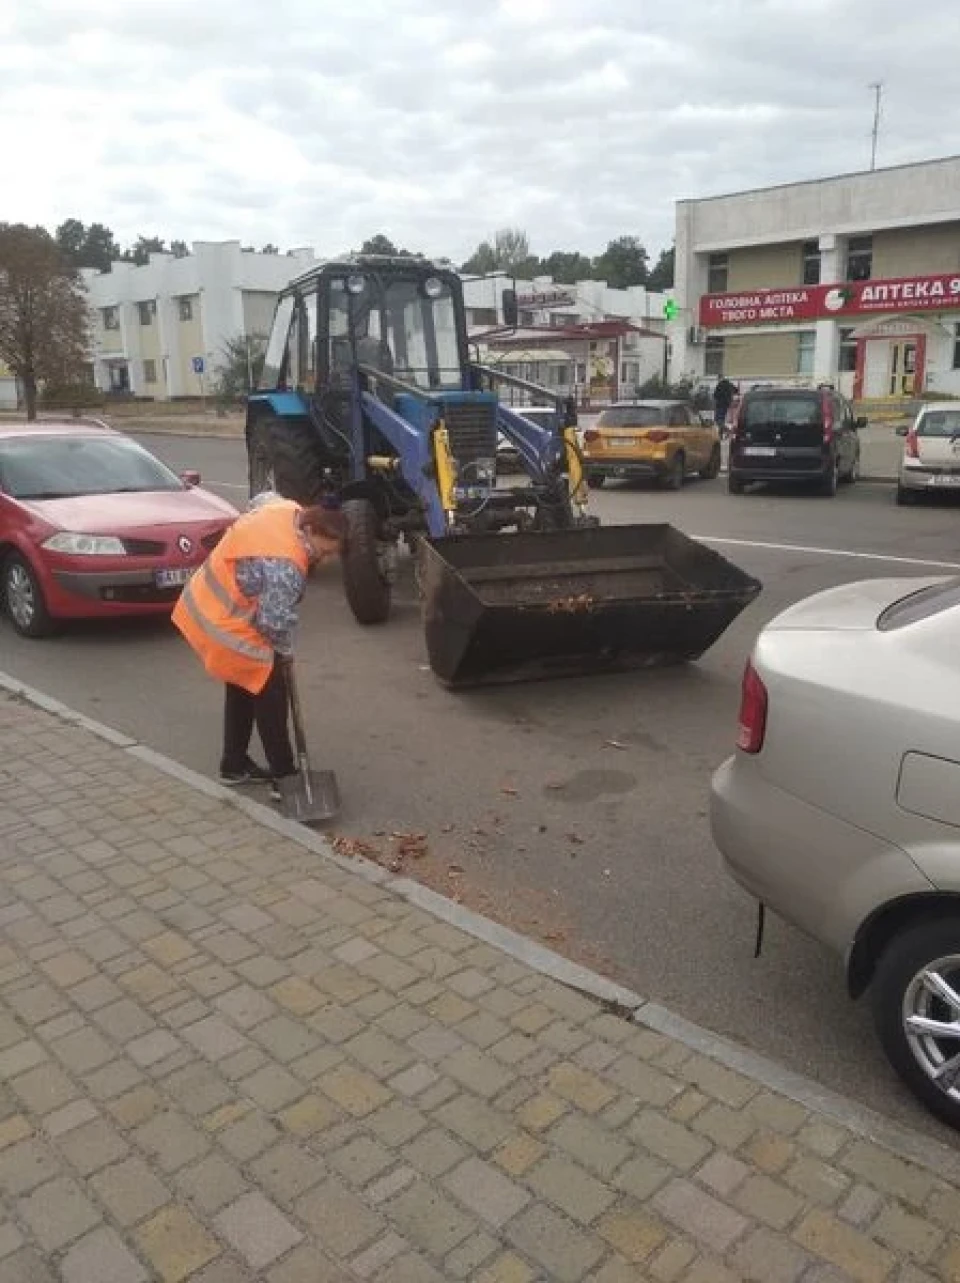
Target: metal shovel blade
<point x="310" y="798"/>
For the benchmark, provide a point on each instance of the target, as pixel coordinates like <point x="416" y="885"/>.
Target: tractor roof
<point x="389" y="264"/>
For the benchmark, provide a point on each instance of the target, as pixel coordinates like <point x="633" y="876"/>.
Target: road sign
<point x="198" y="365"/>
<point x="670" y="309"/>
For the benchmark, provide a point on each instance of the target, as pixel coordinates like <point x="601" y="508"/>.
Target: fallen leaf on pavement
<point x="615" y="744"/>
<point x="510" y="791"/>
<point x="575" y="838"/>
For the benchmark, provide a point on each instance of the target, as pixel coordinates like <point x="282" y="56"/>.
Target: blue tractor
<point x="369" y="399"/>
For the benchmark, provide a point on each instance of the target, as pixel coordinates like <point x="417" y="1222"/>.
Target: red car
<point x="93" y="526"/>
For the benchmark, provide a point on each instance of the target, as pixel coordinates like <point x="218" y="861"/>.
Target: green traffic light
<point x="670" y="309"/>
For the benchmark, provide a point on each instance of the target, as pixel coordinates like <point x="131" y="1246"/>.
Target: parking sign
<point x="198" y="365"/>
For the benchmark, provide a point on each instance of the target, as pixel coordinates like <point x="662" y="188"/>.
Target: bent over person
<point x="239" y="611"/>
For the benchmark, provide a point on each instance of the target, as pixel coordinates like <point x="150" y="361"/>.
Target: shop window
<point x="186" y="309"/>
<point x="149" y="371"/>
<point x="717" y="273"/>
<point x="811" y="262"/>
<point x="713" y="356"/>
<point x="848" y="352"/>
<point x="806" y="345"/>
<point x="859" y="258"/>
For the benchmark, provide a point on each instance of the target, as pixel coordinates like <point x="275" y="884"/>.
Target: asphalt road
<point x="574" y="810"/>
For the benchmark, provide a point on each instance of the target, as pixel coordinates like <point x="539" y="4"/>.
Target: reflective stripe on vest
<point x="262" y="654"/>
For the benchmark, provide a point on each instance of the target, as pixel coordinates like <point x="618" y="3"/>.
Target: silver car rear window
<point x="939" y="423"/>
<point x="920" y="605"/>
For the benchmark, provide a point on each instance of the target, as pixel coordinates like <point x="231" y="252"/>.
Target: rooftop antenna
<point x="877" y="87"/>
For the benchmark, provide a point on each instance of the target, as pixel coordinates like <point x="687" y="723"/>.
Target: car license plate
<point x="623" y="443"/>
<point x="761" y="451"/>
<point x="946" y="479"/>
<point x="173" y="578"/>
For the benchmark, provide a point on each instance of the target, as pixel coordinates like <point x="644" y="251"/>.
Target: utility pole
<point x="877" y="87"/>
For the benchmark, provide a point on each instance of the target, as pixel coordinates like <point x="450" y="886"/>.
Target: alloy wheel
<point x="931" y="1022"/>
<point x="20" y="595"/>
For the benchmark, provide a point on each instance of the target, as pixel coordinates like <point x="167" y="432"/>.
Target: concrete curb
<point x="933" y="1155"/>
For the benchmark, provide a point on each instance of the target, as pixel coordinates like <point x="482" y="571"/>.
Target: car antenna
<point x="761" y="922"/>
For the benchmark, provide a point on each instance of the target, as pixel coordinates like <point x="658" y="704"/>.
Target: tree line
<point x="624" y="262"/>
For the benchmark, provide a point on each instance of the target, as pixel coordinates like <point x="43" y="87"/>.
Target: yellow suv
<point x="666" y="440"/>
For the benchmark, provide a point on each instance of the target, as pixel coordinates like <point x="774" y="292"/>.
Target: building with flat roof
<point x="852" y="280"/>
<point x="159" y="330"/>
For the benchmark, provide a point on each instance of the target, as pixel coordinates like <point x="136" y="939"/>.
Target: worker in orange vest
<point x="238" y="613"/>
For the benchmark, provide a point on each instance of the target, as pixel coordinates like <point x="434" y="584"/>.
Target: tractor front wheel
<point x="285" y="455"/>
<point x="366" y="586"/>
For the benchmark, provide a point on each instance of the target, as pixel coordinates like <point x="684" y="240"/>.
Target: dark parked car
<point x="806" y="435"/>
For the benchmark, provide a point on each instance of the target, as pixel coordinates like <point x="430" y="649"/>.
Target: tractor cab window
<point x="399" y="329"/>
<point x="277" y="346"/>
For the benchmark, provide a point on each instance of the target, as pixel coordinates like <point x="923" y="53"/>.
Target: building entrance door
<point x="903" y="369"/>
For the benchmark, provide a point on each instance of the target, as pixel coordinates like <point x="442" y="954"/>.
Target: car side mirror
<point x="860" y="423"/>
<point x="190" y="478"/>
<point x="511" y="310"/>
<point x="902" y="432"/>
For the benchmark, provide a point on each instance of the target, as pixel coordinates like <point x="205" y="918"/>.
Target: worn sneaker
<point x="275" y="793"/>
<point x="249" y="773"/>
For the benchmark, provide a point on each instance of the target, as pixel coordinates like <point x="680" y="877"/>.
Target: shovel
<point x="309" y="797"/>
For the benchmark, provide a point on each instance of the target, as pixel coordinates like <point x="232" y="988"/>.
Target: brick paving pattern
<point x="223" y="1059"/>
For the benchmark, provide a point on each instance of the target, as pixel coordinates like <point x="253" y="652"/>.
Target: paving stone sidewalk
<point x="223" y="1058"/>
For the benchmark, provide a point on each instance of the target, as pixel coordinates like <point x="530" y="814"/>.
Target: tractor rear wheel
<point x="367" y="589"/>
<point x="285" y="455"/>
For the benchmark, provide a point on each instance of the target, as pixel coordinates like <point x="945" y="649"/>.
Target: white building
<point x="543" y="302"/>
<point x="159" y="330"/>
<point x="853" y="280"/>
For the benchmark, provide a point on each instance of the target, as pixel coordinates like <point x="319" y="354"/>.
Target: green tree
<point x="509" y="251"/>
<point x="623" y="263"/>
<point x="379" y="244"/>
<point x="240" y="366"/>
<point x="94" y="246"/>
<point x="179" y="249"/>
<point x="567" y="267"/>
<point x="269" y="249"/>
<point x="661" y="274"/>
<point x="43" y="312"/>
<point x="144" y="247"/>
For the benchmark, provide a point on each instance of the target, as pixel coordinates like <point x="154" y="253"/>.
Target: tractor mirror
<point x="511" y="313"/>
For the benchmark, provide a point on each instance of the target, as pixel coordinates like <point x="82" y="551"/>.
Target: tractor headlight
<point x="433" y="287"/>
<point x="356" y="284"/>
<point x="85" y="545"/>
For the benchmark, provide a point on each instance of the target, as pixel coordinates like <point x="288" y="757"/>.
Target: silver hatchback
<point x="931" y="452"/>
<point x="841" y="808"/>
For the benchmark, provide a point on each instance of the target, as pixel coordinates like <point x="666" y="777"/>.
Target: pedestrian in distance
<point x="239" y="612"/>
<point x="723" y="395"/>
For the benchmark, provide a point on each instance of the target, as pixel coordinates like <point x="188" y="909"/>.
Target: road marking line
<point x="829" y="552"/>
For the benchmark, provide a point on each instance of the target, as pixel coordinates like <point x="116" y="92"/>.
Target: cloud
<point x="436" y="121"/>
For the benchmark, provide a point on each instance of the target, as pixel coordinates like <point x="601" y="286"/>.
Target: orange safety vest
<point x="216" y="618"/>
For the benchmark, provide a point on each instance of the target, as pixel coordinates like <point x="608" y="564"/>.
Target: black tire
<point x="673" y="478"/>
<point x="853" y="476"/>
<point x="734" y="484"/>
<point x="712" y="470"/>
<point x="368" y="592"/>
<point x="830" y="481"/>
<point x="595" y="481"/>
<point x="910" y="953"/>
<point x="23" y="599"/>
<point x="906" y="498"/>
<point x="285" y="455"/>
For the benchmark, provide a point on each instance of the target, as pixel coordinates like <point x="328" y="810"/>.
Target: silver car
<point x="841" y="809"/>
<point x="931" y="452"/>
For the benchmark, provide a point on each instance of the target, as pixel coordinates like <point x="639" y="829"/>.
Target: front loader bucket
<point x="523" y="607"/>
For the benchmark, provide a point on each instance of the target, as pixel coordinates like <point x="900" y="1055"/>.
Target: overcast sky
<point x="320" y="122"/>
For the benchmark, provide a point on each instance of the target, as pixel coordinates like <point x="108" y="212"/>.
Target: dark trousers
<point x="269" y="711"/>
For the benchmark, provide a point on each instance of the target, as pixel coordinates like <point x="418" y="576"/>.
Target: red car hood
<point x="104" y="514"/>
